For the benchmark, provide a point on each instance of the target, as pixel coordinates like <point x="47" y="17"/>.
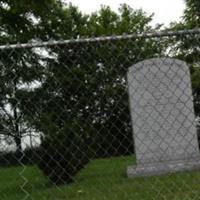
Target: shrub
<point x="62" y="158"/>
<point x="28" y="156"/>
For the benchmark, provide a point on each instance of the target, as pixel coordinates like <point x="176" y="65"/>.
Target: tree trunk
<point x="17" y="138"/>
<point x="18" y="143"/>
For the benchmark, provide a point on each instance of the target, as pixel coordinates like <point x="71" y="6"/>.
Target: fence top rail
<point x="102" y="38"/>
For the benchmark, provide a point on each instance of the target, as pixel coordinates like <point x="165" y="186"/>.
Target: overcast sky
<point x="165" y="11"/>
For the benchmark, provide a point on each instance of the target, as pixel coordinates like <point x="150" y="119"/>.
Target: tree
<point x="15" y="72"/>
<point x="85" y="91"/>
<point x="192" y="14"/>
<point x="23" y="21"/>
<point x="187" y="47"/>
<point x="82" y="98"/>
<point x="81" y="87"/>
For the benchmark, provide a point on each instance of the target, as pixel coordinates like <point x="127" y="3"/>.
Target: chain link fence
<point x="76" y="115"/>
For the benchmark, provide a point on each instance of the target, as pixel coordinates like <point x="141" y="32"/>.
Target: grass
<point x="102" y="179"/>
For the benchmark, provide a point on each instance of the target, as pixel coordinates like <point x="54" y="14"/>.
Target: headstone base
<point x="146" y="169"/>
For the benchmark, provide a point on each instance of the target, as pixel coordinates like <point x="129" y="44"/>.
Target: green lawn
<point x="102" y="179"/>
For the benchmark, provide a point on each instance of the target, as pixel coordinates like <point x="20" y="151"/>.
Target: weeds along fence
<point x="65" y="117"/>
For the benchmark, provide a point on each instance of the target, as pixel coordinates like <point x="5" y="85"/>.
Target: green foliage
<point x="196" y="88"/>
<point x="62" y="158"/>
<point x="108" y="22"/>
<point x="20" y="22"/>
<point x="81" y="87"/>
<point x="192" y="13"/>
<point x="86" y="89"/>
<point x="187" y="48"/>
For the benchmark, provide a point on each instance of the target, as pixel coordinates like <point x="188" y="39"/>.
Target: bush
<point x="63" y="157"/>
<point x="28" y="156"/>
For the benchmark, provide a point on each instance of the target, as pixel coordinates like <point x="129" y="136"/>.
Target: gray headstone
<point x="163" y="120"/>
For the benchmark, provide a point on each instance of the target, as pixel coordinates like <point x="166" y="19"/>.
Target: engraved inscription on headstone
<point x="163" y="121"/>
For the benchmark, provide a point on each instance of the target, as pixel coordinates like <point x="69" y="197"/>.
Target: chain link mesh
<point x="71" y="122"/>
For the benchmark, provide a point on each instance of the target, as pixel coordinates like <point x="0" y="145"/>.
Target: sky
<point x="165" y="11"/>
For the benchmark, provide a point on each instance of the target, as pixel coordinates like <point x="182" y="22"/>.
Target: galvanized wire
<point x="73" y="126"/>
<point x="158" y="34"/>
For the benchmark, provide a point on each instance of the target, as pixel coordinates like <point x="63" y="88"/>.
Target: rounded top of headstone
<point x="157" y="62"/>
